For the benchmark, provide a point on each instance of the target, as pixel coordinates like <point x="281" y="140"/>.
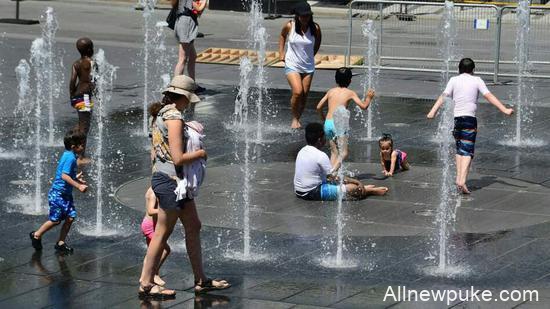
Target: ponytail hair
<point x="154" y="108"/>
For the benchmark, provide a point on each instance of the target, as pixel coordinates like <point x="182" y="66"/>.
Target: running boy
<point x="464" y="89"/>
<point x="60" y="197"/>
<point x="81" y="87"/>
<point x="339" y="96"/>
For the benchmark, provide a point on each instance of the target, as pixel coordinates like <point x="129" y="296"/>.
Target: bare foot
<point x="372" y="190"/>
<point x="296" y="124"/>
<point x="463" y="189"/>
<point x="159" y="281"/>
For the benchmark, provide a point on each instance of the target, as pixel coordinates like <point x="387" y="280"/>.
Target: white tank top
<point x="299" y="51"/>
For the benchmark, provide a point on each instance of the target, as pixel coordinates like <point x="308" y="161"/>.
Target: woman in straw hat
<point x="168" y="160"/>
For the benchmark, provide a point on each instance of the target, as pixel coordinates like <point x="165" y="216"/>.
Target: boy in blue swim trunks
<point x="464" y="90"/>
<point x="313" y="179"/>
<point x="60" y="196"/>
<point x="336" y="97"/>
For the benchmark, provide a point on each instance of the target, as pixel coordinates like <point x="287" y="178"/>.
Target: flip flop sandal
<point x="208" y="286"/>
<point x="145" y="292"/>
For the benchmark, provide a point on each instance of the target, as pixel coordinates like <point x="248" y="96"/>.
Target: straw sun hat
<point x="183" y="85"/>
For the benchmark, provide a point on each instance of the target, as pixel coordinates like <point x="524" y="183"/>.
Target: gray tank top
<point x="162" y="161"/>
<point x="182" y="4"/>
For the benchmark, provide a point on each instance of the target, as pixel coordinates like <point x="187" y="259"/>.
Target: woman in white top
<point x="302" y="37"/>
<point x="464" y="90"/>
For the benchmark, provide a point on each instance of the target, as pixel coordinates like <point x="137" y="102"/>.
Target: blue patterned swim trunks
<point x="465" y="133"/>
<point x="61" y="206"/>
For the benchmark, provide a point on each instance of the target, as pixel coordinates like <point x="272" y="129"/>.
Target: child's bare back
<point x="337" y="97"/>
<point x="341" y="96"/>
<point x="81" y="83"/>
<point x="81" y="76"/>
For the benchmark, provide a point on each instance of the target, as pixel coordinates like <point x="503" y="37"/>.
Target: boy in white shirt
<point x="464" y="89"/>
<point x="313" y="179"/>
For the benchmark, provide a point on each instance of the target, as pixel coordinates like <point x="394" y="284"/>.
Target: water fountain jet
<point x="370" y="80"/>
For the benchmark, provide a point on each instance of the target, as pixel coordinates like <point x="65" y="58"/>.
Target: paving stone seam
<point x="512" y="250"/>
<point x="378" y="271"/>
<point x="53" y="253"/>
<point x="508" y="212"/>
<point x="298" y="257"/>
<point x="39" y="288"/>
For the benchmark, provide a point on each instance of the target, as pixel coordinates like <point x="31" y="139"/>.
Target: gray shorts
<point x="186" y="29"/>
<point x="164" y="186"/>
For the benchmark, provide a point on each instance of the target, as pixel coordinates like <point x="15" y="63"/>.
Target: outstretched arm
<point x="383" y="164"/>
<point x="79" y="186"/>
<point x="393" y="162"/>
<point x="320" y="106"/>
<point x="368" y="98"/>
<point x="436" y="106"/>
<point x="496" y="102"/>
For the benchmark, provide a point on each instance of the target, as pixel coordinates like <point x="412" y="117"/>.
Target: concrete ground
<point x="500" y="238"/>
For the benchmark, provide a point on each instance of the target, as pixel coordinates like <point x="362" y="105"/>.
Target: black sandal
<point x="208" y="286"/>
<point x="145" y="292"/>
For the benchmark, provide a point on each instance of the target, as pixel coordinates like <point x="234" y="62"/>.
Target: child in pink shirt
<point x="148" y="228"/>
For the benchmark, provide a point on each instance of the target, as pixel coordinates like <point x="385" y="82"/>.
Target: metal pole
<point x="497" y="44"/>
<point x="347" y="59"/>
<point x="381" y="7"/>
<point x="17" y="9"/>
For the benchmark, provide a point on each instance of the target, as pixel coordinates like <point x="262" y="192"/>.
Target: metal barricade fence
<point x="539" y="41"/>
<point x="408" y="35"/>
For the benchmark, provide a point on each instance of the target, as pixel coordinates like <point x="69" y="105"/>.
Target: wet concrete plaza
<point x="500" y="239"/>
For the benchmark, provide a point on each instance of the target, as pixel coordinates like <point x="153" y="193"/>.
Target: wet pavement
<point x="501" y="240"/>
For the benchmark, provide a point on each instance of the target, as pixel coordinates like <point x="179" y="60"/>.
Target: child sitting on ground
<point x="392" y="160"/>
<point x="60" y="196"/>
<point x="312" y="174"/>
<point x="81" y="88"/>
<point x="336" y="97"/>
<point x="148" y="229"/>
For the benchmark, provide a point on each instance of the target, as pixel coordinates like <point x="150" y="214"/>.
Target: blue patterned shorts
<point x="465" y="132"/>
<point x="323" y="192"/>
<point x="61" y="206"/>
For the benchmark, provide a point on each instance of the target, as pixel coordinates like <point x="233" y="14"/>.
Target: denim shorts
<point x="164" y="187"/>
<point x="289" y="70"/>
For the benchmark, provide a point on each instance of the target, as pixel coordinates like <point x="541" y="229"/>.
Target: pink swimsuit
<point x="148" y="229"/>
